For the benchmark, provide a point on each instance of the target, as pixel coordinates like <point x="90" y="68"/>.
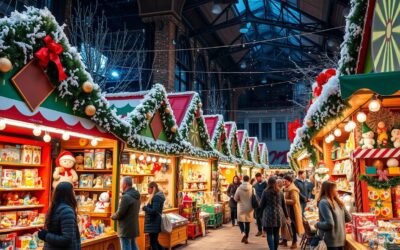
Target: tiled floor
<point x="227" y="237"/>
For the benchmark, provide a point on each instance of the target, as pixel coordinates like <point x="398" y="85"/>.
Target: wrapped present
<point x="363" y="220"/>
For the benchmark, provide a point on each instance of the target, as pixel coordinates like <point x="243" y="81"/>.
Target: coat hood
<point x="133" y="193"/>
<point x="245" y="186"/>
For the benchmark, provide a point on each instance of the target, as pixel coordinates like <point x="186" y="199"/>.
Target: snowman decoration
<point x="65" y="171"/>
<point x="103" y="204"/>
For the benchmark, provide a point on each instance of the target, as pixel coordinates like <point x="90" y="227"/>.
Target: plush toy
<point x="321" y="173"/>
<point x="64" y="171"/>
<point x="367" y="141"/>
<point x="103" y="204"/>
<point x="396" y="137"/>
<point x="381" y="171"/>
<point x="382" y="134"/>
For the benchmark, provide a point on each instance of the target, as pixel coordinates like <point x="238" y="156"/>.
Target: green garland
<point x="374" y="182"/>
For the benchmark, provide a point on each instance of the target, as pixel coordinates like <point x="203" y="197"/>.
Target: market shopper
<point x="303" y="186"/>
<point x="259" y="186"/>
<point x="332" y="217"/>
<point x="231" y="193"/>
<point x="245" y="210"/>
<point x="61" y="227"/>
<point x="127" y="215"/>
<point x="272" y="205"/>
<point x="153" y="210"/>
<point x="292" y="199"/>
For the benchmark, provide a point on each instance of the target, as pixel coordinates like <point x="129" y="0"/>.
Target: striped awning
<point x="375" y="153"/>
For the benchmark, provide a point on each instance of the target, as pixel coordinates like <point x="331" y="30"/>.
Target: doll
<point x="65" y="171"/>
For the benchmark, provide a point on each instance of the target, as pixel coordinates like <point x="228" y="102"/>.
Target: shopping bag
<point x="318" y="243"/>
<point x="166" y="225"/>
<point x="287" y="231"/>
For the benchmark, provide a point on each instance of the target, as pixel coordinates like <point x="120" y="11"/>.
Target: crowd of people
<point x="277" y="205"/>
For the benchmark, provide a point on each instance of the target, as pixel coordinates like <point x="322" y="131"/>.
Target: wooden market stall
<point x="244" y="145"/>
<point x="150" y="155"/>
<point x="255" y="156"/>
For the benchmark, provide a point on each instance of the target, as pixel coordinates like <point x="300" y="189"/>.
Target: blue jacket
<point x="153" y="210"/>
<point x="304" y="190"/>
<point x="259" y="188"/>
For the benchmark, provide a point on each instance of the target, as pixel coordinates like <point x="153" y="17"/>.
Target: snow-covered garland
<point x="22" y="34"/>
<point x="330" y="105"/>
<point x="246" y="146"/>
<point x="219" y="134"/>
<point x="254" y="151"/>
<point x="232" y="137"/>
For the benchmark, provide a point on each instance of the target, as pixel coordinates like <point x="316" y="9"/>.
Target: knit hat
<point x="365" y="128"/>
<point x="65" y="155"/>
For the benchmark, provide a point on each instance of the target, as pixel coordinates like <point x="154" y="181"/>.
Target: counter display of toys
<point x="367" y="230"/>
<point x="131" y="164"/>
<point x="380" y="202"/>
<point x="13" y="220"/>
<point x="12" y="241"/>
<point x="90" y="228"/>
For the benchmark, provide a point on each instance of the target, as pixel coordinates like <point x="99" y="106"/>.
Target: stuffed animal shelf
<point x="103" y="205"/>
<point x="367" y="141"/>
<point x="65" y="171"/>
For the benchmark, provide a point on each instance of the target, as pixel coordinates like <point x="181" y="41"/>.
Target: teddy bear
<point x="395" y="137"/>
<point x="382" y="134"/>
<point x="103" y="204"/>
<point x="65" y="171"/>
<point x="367" y="141"/>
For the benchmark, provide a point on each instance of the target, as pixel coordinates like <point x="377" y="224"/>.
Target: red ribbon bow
<point x="50" y="53"/>
<point x="68" y="172"/>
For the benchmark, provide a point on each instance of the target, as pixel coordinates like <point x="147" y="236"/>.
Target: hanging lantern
<point x="361" y="117"/>
<point x="337" y="132"/>
<point x="87" y="87"/>
<point x="5" y="65"/>
<point x="46" y="138"/>
<point x="331" y="137"/>
<point x="94" y="142"/>
<point x="65" y="136"/>
<point x="2" y="124"/>
<point x="141" y="157"/>
<point x="90" y="110"/>
<point x="347" y="128"/>
<point x="148" y="159"/>
<point x="374" y="105"/>
<point x="327" y="140"/>
<point x="37" y="131"/>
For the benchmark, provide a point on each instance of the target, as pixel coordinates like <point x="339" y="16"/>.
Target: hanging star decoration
<point x="194" y="135"/>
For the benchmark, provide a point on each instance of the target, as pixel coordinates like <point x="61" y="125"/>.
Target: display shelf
<point x="93" y="189"/>
<point x="98" y="215"/>
<point x="94" y="170"/>
<point x="162" y="181"/>
<point x="15" y="229"/>
<point x="338" y="174"/>
<point x="22" y="189"/>
<point x="194" y="190"/>
<point x="137" y="175"/>
<point x="341" y="159"/>
<point x="20" y="165"/>
<point x="8" y="208"/>
<point x="389" y="175"/>
<point x="196" y="181"/>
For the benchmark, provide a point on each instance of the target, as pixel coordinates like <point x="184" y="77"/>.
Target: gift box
<point x="363" y="219"/>
<point x="395" y="170"/>
<point x="26" y="154"/>
<point x="370" y="170"/>
<point x="364" y="234"/>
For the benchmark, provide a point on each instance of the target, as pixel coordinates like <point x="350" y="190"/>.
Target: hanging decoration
<point x="376" y="183"/>
<point x="90" y="110"/>
<point x="5" y="65"/>
<point x="87" y="87"/>
<point x="292" y="127"/>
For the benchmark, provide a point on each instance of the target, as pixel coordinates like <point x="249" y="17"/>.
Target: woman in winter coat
<point x="61" y="228"/>
<point x="332" y="217"/>
<point x="153" y="211"/>
<point x="273" y="204"/>
<point x="245" y="209"/>
<point x="231" y="193"/>
<point x="292" y="199"/>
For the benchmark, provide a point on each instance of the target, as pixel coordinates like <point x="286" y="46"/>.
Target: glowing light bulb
<point x="337" y="132"/>
<point x="169" y="161"/>
<point x="374" y="105"/>
<point x="94" y="142"/>
<point x="37" y="131"/>
<point x="2" y="124"/>
<point x="352" y="125"/>
<point x="148" y="159"/>
<point x="347" y="128"/>
<point x="46" y="138"/>
<point x="133" y="156"/>
<point x="361" y="117"/>
<point x="327" y="140"/>
<point x="66" y="136"/>
<point x="141" y="157"/>
<point x="154" y="159"/>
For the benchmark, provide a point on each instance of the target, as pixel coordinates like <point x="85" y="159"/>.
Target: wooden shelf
<point x="194" y="190"/>
<point x="162" y="181"/>
<point x="389" y="175"/>
<point x="14" y="229"/>
<point x="99" y="215"/>
<point x="21" y="189"/>
<point x="93" y="189"/>
<point x="342" y="158"/>
<point x="137" y="175"/>
<point x="94" y="171"/>
<point x="20" y="165"/>
<point x="8" y="208"/>
<point x="195" y="181"/>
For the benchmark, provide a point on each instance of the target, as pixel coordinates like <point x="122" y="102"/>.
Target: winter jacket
<point x="127" y="214"/>
<point x="153" y="210"/>
<point x="63" y="232"/>
<point x="272" y="204"/>
<point x="259" y="189"/>
<point x="303" y="188"/>
<point x="332" y="223"/>
<point x="243" y="198"/>
<point x="231" y="193"/>
<point x="292" y="199"/>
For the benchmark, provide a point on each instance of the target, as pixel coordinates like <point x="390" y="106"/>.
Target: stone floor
<point x="227" y="237"/>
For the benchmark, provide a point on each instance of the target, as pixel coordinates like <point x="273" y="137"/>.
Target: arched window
<point x="201" y="76"/>
<point x="183" y="65"/>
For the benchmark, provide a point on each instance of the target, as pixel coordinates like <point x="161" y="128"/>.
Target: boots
<point x="283" y="243"/>
<point x="259" y="234"/>
<point x="293" y="246"/>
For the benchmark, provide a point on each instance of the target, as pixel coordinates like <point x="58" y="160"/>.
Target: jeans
<point x="259" y="223"/>
<point x="294" y="232"/>
<point x="303" y="207"/>
<point x="154" y="242"/>
<point x="273" y="237"/>
<point x="233" y="215"/>
<point x="245" y="228"/>
<point x="128" y="243"/>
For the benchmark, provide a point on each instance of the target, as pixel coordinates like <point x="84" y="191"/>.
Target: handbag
<point x="166" y="225"/>
<point x="254" y="200"/>
<point x="318" y="243"/>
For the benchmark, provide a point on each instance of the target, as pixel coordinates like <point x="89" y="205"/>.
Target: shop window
<point x="266" y="131"/>
<point x="280" y="130"/>
<point x="253" y="129"/>
<point x="183" y="65"/>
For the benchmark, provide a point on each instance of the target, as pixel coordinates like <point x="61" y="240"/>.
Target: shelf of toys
<point x="245" y="170"/>
<point x="96" y="188"/>
<point x="25" y="167"/>
<point x="226" y="172"/>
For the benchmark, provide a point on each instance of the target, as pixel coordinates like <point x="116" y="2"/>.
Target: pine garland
<point x="374" y="182"/>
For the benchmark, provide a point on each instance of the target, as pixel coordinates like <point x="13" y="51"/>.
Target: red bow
<point x="292" y="127"/>
<point x="68" y="172"/>
<point x="50" y="53"/>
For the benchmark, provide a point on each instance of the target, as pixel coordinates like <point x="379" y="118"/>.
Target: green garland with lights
<point x="374" y="182"/>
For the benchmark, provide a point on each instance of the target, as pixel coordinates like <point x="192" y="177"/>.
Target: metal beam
<point x="194" y="4"/>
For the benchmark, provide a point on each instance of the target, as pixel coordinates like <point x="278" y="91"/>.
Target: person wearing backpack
<point x="153" y="215"/>
<point x="244" y="197"/>
<point x="332" y="217"/>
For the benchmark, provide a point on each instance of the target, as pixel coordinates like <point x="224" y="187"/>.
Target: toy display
<point x="103" y="205"/>
<point x="88" y="158"/>
<point x="393" y="166"/>
<point x="65" y="171"/>
<point x="380" y="202"/>
<point x="99" y="158"/>
<point x="90" y="228"/>
<point x="27" y="178"/>
<point x="86" y="180"/>
<point x="367" y="141"/>
<point x="10" y="153"/>
<point x="25" y="154"/>
<point x="18" y="199"/>
<point x="395" y="137"/>
<point x="21" y="219"/>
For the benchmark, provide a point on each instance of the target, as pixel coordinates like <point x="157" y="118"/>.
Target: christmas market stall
<point x="47" y="97"/>
<point x="245" y="152"/>
<point x="263" y="151"/>
<point x="150" y="154"/>
<point x="233" y="145"/>
<point x="255" y="155"/>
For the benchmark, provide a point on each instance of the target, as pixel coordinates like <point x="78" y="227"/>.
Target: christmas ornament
<point x="5" y="65"/>
<point x="174" y="129"/>
<point x="90" y="110"/>
<point x="167" y="110"/>
<point x="50" y="53"/>
<point x="309" y="123"/>
<point x="87" y="87"/>
<point x="200" y="105"/>
<point x="148" y="115"/>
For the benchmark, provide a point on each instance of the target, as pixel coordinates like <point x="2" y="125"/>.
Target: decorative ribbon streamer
<point x="383" y="175"/>
<point x="50" y="53"/>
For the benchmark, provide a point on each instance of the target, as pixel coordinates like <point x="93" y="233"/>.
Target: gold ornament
<point x="87" y="87"/>
<point x="83" y="142"/>
<point x="200" y="105"/>
<point x="5" y="65"/>
<point x="174" y="129"/>
<point x="148" y="115"/>
<point x="309" y="123"/>
<point x="90" y="110"/>
<point x="167" y="110"/>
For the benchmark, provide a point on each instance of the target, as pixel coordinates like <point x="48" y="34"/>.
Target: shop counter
<point x="351" y="244"/>
<point x="104" y="242"/>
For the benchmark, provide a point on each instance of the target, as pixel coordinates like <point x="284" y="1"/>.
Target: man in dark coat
<point x="303" y="186"/>
<point x="127" y="215"/>
<point x="259" y="187"/>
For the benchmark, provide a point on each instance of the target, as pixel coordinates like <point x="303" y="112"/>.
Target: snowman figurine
<point x="65" y="171"/>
